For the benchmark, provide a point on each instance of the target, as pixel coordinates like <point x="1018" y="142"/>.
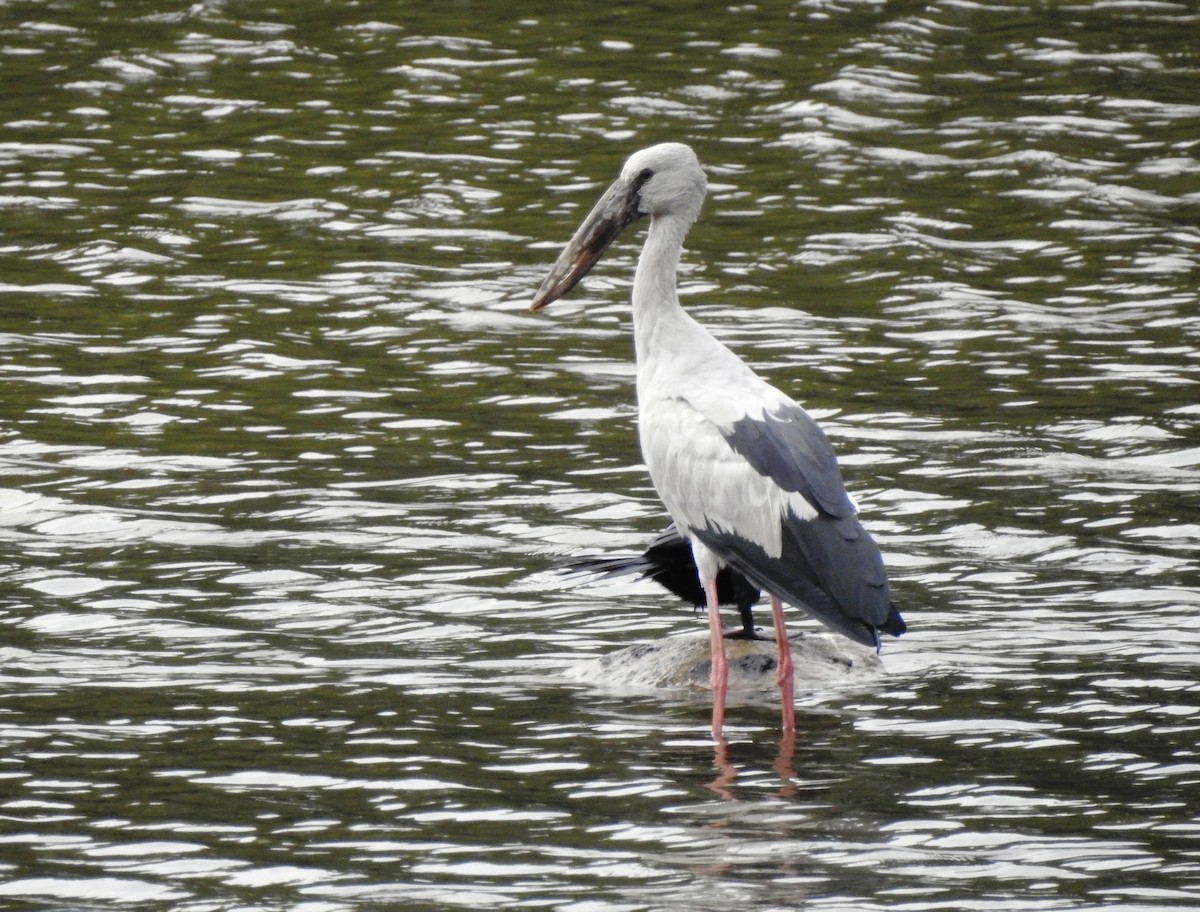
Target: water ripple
<point x="289" y="467"/>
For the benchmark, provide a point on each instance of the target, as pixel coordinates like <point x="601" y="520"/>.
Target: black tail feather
<point x="668" y="561"/>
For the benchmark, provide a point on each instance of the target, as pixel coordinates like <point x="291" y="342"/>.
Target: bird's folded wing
<point x="763" y="492"/>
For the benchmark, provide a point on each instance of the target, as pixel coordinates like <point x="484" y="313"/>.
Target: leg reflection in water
<point x="727" y="772"/>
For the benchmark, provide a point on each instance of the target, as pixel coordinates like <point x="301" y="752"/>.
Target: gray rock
<point x="683" y="662"/>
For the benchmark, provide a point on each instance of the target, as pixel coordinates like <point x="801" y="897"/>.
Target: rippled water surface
<point x="287" y="464"/>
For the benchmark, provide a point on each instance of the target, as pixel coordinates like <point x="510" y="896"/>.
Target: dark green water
<point x="286" y="461"/>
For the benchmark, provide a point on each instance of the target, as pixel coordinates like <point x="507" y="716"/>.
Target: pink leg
<point x="720" y="665"/>
<point x="783" y="676"/>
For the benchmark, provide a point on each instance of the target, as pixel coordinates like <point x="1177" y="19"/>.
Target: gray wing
<point x="790" y="448"/>
<point x="828" y="563"/>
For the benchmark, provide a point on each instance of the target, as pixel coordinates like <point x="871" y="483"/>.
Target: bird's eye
<point x="643" y="176"/>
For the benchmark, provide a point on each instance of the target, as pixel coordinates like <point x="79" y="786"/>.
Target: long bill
<point x="616" y="209"/>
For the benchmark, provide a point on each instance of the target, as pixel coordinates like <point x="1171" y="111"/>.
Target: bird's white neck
<point x="672" y="348"/>
<point x="655" y="298"/>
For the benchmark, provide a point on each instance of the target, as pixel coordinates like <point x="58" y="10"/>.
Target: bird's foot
<point x="742" y="633"/>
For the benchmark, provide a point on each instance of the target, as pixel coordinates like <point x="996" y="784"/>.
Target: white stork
<point x="748" y="477"/>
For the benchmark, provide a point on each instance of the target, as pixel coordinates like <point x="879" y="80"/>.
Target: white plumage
<point x="745" y="473"/>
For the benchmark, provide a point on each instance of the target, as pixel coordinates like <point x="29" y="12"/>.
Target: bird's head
<point x="663" y="181"/>
<point x="669" y="180"/>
